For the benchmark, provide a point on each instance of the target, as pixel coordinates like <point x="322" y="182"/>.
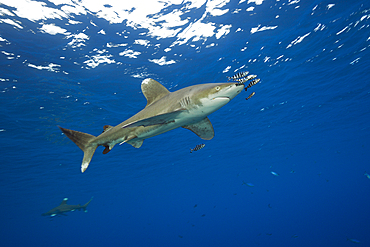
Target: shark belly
<point x="183" y="119"/>
<point x="192" y="115"/>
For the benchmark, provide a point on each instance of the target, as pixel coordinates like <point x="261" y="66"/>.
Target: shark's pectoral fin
<point x="203" y="129"/>
<point x="159" y="119"/>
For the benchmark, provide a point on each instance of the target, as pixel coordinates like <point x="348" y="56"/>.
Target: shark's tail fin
<point x="84" y="206"/>
<point x="83" y="141"/>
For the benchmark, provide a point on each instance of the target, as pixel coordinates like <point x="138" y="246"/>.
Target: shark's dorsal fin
<point x="153" y="90"/>
<point x="64" y="201"/>
<point x="203" y="129"/>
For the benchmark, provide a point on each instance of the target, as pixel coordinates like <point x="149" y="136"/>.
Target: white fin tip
<point x="146" y="81"/>
<point x="84" y="167"/>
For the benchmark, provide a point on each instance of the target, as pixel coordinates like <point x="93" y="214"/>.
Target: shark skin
<point x="165" y="111"/>
<point x="64" y="208"/>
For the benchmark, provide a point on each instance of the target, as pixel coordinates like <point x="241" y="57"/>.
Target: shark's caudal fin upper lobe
<point x="84" y="206"/>
<point x="83" y="141"/>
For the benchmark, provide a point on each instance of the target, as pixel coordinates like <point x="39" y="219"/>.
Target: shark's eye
<point x="217" y="88"/>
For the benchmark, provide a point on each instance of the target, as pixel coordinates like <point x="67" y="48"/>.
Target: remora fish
<point x="250" y="96"/>
<point x="197" y="147"/>
<point x="187" y="108"/>
<point x="64" y="208"/>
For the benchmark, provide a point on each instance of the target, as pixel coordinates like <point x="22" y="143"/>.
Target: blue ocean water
<point x="288" y="167"/>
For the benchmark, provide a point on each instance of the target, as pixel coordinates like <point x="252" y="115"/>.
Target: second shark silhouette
<point x="64" y="208"/>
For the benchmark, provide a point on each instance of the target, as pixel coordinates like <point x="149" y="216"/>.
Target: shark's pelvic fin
<point x="83" y="141"/>
<point x="153" y="90"/>
<point x="136" y="143"/>
<point x="159" y="119"/>
<point x="203" y="129"/>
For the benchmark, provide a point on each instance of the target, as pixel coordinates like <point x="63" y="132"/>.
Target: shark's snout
<point x="231" y="91"/>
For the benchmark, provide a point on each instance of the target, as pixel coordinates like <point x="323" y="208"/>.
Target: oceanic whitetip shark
<point x="64" y="208"/>
<point x="165" y="110"/>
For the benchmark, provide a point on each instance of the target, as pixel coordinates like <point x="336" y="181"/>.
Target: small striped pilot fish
<point x="197" y="147"/>
<point x="245" y="79"/>
<point x="250" y="77"/>
<point x="252" y="83"/>
<point x="238" y="76"/>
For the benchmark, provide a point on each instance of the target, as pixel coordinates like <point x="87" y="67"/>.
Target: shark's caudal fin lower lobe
<point x="83" y="141"/>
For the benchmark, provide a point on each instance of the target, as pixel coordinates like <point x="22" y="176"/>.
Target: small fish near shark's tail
<point x="83" y="141"/>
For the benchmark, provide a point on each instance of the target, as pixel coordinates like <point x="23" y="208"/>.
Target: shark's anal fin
<point x="203" y="129"/>
<point x="106" y="150"/>
<point x="153" y="90"/>
<point x="159" y="119"/>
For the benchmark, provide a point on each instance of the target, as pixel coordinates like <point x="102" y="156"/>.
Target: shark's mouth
<point x="222" y="98"/>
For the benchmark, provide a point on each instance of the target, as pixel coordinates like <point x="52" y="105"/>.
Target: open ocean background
<point x="79" y="65"/>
